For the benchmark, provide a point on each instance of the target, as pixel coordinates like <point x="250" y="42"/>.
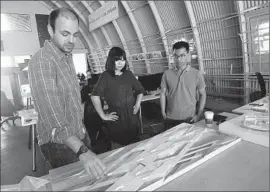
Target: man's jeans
<point x="60" y="154"/>
<point x="169" y="123"/>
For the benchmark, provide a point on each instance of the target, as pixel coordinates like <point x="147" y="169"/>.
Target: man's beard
<point x="68" y="47"/>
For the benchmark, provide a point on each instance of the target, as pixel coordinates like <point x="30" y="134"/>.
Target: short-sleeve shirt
<point x="181" y="92"/>
<point x="120" y="94"/>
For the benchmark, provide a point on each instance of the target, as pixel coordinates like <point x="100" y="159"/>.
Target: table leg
<point x="30" y="138"/>
<point x="141" y="122"/>
<point x="34" y="146"/>
<point x="27" y="103"/>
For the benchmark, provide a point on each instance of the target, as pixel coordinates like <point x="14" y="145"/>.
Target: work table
<point x="243" y="167"/>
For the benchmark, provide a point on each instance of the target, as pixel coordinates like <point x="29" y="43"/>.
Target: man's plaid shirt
<point x="56" y="93"/>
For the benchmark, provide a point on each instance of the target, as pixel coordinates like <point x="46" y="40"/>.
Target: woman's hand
<point x="136" y="109"/>
<point x="110" y="117"/>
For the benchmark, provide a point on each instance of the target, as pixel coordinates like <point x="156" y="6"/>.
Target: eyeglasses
<point x="119" y="58"/>
<point x="179" y="56"/>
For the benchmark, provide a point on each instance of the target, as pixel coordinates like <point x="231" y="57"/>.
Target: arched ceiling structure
<point x="145" y="27"/>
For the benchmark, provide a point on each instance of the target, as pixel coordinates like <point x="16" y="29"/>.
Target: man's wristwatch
<point x="83" y="149"/>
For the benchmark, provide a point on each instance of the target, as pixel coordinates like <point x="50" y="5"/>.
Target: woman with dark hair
<point x="123" y="94"/>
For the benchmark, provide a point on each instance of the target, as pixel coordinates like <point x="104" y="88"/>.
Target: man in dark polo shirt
<point x="60" y="131"/>
<point x="179" y="88"/>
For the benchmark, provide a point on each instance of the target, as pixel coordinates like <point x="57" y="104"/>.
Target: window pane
<point x="21" y="59"/>
<point x="259" y="53"/>
<point x="80" y="63"/>
<point x="6" y="61"/>
<point x="15" y="22"/>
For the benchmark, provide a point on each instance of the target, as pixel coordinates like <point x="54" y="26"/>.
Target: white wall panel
<point x="205" y="10"/>
<point x="136" y="4"/>
<point x="173" y="14"/>
<point x="153" y="43"/>
<point x="250" y="4"/>
<point x="127" y="28"/>
<point x="146" y="20"/>
<point x="94" y="4"/>
<point x="101" y="37"/>
<point x="114" y="37"/>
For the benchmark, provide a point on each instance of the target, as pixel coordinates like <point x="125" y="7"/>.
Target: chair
<point x="95" y="126"/>
<point x="26" y="95"/>
<point x="258" y="94"/>
<point x="7" y="110"/>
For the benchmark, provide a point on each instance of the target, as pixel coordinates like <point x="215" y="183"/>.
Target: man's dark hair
<point x="115" y="54"/>
<point x="181" y="44"/>
<point x="55" y="14"/>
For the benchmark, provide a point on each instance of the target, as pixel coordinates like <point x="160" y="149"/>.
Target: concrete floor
<point x="16" y="158"/>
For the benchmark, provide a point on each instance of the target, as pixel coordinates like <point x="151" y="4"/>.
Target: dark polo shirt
<point x="181" y="92"/>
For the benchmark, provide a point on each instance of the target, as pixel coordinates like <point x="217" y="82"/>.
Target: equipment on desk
<point x="258" y="122"/>
<point x="238" y="127"/>
<point x="256" y="104"/>
<point x="155" y="92"/>
<point x="219" y="118"/>
<point x="151" y="82"/>
<point x="260" y="107"/>
<point x="7" y="110"/>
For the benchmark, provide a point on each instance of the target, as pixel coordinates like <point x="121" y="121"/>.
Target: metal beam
<point x="102" y="28"/>
<point x="46" y="5"/>
<point x="161" y="28"/>
<point x="85" y="26"/>
<point x="121" y="36"/>
<point x="191" y="15"/>
<point x="243" y="35"/>
<point x="77" y="11"/>
<point x="138" y="32"/>
<point x="103" y="54"/>
<point x="82" y="39"/>
<point x="80" y="29"/>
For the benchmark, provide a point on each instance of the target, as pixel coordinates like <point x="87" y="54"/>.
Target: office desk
<point x="145" y="98"/>
<point x="244" y="167"/>
<point x="247" y="108"/>
<point x="29" y="117"/>
<point x="215" y="125"/>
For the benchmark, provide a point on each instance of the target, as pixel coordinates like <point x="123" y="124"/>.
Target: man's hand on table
<point x="164" y="115"/>
<point x="94" y="167"/>
<point x="195" y="119"/>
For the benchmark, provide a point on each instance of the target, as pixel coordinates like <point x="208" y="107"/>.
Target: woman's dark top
<point x="120" y="93"/>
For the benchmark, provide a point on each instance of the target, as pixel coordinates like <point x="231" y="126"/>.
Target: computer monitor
<point x="94" y="79"/>
<point x="151" y="82"/>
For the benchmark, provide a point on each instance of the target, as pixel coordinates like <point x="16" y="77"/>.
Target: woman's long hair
<point x="115" y="54"/>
